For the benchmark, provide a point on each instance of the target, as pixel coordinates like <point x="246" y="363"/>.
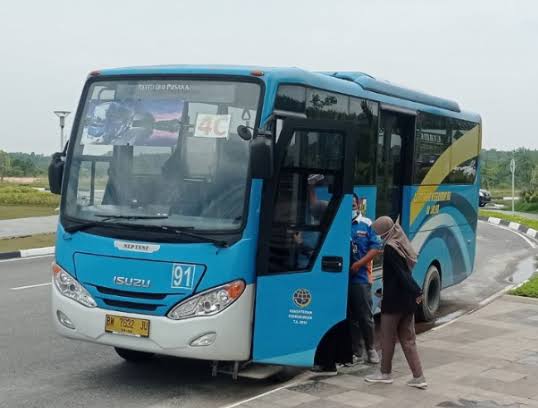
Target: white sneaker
<point x="419" y="382"/>
<point x="356" y="360"/>
<point x="379" y="378"/>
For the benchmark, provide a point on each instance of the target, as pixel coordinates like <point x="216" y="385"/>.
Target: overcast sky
<point x="481" y="53"/>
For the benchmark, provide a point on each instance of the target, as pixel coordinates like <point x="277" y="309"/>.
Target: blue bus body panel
<point x="95" y="261"/>
<point x="448" y="236"/>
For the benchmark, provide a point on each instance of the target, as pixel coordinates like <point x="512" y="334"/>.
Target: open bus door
<point x="304" y="244"/>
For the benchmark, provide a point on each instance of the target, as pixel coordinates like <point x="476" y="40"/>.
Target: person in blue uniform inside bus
<point x="365" y="245"/>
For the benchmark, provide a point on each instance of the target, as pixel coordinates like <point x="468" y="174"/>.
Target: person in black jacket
<point x="401" y="295"/>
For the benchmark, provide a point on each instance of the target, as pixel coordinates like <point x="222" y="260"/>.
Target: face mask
<point x="354" y="214"/>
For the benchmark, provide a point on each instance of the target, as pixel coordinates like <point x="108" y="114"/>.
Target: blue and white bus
<point x="186" y="223"/>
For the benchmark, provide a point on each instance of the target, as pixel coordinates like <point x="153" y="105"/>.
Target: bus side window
<point x="307" y="191"/>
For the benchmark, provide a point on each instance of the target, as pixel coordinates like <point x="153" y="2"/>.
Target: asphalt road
<point x="40" y="369"/>
<point x="20" y="227"/>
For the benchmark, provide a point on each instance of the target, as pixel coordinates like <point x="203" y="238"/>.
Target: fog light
<point x="205" y="340"/>
<point x="66" y="321"/>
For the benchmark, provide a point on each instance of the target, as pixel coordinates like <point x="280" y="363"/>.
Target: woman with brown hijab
<point x="401" y="294"/>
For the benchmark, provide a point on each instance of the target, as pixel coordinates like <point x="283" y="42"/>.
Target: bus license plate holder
<point x="127" y="326"/>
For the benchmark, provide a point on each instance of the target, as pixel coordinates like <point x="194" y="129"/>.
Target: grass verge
<point x="8" y="212"/>
<point x="34" y="241"/>
<point x="513" y="218"/>
<point x="527" y="207"/>
<point x="17" y="194"/>
<point x="529" y="289"/>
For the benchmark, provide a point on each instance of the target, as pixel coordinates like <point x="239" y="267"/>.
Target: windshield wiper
<point x="108" y="217"/>
<point x="85" y="225"/>
<point x="132" y="217"/>
<point x="183" y="231"/>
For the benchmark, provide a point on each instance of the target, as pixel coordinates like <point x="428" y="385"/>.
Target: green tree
<point x="534" y="178"/>
<point x="5" y="165"/>
<point x="524" y="167"/>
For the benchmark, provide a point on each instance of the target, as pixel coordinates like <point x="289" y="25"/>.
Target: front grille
<point x="125" y="293"/>
<point x="131" y="305"/>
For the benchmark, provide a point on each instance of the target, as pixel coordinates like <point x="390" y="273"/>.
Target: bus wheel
<point x="432" y="295"/>
<point x="286" y="374"/>
<point x="133" y="356"/>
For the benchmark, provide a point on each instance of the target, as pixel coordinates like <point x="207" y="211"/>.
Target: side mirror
<point x="261" y="157"/>
<point x="56" y="172"/>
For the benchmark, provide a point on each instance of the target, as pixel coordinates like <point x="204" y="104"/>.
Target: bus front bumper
<point x="232" y="327"/>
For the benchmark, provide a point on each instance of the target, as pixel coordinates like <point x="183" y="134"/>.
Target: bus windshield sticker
<point x="183" y="276"/>
<point x="142" y="122"/>
<point x="212" y="126"/>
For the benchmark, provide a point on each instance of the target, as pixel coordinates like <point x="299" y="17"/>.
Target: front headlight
<point x="69" y="287"/>
<point x="208" y="303"/>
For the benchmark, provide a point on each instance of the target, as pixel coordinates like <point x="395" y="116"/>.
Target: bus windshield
<point x="162" y="152"/>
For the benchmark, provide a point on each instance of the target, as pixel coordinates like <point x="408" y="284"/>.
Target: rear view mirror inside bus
<point x="244" y="132"/>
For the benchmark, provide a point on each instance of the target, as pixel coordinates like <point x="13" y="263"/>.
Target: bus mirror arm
<point x="261" y="156"/>
<point x="56" y="171"/>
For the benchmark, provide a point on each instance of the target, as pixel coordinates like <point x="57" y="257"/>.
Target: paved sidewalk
<point x="487" y="359"/>
<point x="19" y="227"/>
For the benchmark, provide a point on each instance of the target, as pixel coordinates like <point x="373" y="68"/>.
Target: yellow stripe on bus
<point x="463" y="149"/>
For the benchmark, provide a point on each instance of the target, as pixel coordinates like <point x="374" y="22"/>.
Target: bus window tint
<point x="366" y="114"/>
<point x="291" y="98"/>
<point x="432" y="139"/>
<point x="464" y="172"/>
<point x="326" y="105"/>
<point x="307" y="185"/>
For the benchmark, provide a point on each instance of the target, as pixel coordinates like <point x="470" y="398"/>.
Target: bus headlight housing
<point x="208" y="303"/>
<point x="69" y="287"/>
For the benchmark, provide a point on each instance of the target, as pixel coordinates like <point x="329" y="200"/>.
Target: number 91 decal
<point x="183" y="276"/>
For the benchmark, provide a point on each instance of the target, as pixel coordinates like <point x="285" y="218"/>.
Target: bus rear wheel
<point x="432" y="295"/>
<point x="133" y="356"/>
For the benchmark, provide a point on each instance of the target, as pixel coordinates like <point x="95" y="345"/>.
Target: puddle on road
<point x="524" y="270"/>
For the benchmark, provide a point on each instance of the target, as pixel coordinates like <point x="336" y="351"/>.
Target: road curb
<point x="528" y="231"/>
<point x="27" y="253"/>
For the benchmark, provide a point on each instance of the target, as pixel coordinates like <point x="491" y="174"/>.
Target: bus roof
<point x="357" y="84"/>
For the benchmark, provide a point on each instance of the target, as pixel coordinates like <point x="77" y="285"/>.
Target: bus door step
<point x="252" y="371"/>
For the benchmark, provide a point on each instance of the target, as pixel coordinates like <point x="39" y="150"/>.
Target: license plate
<point x="127" y="326"/>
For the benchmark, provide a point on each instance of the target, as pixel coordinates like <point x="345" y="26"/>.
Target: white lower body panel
<point x="233" y="328"/>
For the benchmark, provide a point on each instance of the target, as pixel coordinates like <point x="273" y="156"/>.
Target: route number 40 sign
<point x="212" y="126"/>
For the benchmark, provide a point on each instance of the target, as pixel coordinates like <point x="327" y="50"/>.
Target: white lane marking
<point x="462" y="313"/>
<point x="236" y="404"/>
<point x="25" y="259"/>
<point x="495" y="296"/>
<point x="31" y="286"/>
<point x="527" y="240"/>
<point x="449" y="317"/>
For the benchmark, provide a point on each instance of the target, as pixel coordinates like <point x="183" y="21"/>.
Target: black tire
<point x="133" y="356"/>
<point x="285" y="375"/>
<point x="432" y="295"/>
